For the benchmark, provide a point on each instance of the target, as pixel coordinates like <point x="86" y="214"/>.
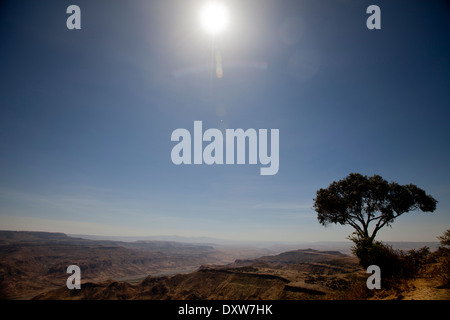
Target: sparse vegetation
<point x="440" y="261"/>
<point x="400" y="269"/>
<point x="356" y="289"/>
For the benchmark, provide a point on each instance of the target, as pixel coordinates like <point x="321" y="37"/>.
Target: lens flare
<point x="219" y="70"/>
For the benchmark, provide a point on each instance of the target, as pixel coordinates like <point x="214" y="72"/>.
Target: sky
<point x="86" y="115"/>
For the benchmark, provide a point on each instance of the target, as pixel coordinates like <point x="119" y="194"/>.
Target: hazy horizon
<point x="201" y="239"/>
<point x="343" y="245"/>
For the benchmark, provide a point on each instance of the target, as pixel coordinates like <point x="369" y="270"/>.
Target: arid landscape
<point x="33" y="266"/>
<point x="34" y="262"/>
<point x="300" y="274"/>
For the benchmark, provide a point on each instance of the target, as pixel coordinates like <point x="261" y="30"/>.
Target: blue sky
<point x="86" y="115"/>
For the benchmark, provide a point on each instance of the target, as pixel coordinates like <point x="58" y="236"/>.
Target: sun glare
<point x="214" y="17"/>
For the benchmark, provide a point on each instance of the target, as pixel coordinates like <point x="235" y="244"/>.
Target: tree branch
<point x="357" y="228"/>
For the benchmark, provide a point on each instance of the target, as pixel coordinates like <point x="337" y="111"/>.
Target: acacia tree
<point x="368" y="204"/>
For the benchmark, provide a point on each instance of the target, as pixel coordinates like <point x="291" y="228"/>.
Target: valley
<point x="33" y="266"/>
<point x="35" y="262"/>
<point x="298" y="274"/>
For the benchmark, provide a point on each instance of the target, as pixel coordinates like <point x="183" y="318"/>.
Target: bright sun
<point x="214" y="17"/>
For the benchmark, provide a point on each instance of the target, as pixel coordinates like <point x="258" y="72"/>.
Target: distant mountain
<point x="180" y="239"/>
<point x="31" y="236"/>
<point x="273" y="246"/>
<point x="293" y="257"/>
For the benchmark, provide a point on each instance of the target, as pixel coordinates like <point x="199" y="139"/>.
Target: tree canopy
<point x="368" y="203"/>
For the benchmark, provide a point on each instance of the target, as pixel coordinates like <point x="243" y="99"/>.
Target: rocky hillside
<point x="300" y="274"/>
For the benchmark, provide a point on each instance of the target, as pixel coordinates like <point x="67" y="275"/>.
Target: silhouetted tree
<point x="368" y="204"/>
